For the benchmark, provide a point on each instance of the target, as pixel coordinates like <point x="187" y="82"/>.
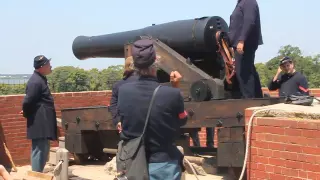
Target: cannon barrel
<point x="192" y="38"/>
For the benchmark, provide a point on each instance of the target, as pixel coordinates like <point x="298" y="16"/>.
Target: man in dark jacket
<point x="245" y="37"/>
<point x="166" y="116"/>
<point x="128" y="76"/>
<point x="288" y="81"/>
<point x="38" y="108"/>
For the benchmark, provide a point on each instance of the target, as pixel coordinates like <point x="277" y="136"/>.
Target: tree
<point x="307" y="65"/>
<point x="95" y="83"/>
<point x="71" y="79"/>
<point x="111" y="75"/>
<point x="68" y="79"/>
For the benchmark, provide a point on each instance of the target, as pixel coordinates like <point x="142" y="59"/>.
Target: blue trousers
<point x="39" y="154"/>
<point x="165" y="170"/>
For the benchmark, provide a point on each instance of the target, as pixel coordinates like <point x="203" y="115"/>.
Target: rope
<point x="193" y="170"/>
<point x="227" y="55"/>
<point x="55" y="170"/>
<point x="248" y="138"/>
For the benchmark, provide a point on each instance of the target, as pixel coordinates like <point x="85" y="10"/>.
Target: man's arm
<point x="33" y="93"/>
<point x="249" y="17"/>
<point x="181" y="113"/>
<point x="275" y="83"/>
<point x="113" y="105"/>
<point x="303" y="85"/>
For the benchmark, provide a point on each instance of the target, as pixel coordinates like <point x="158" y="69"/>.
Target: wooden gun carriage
<point x="197" y="48"/>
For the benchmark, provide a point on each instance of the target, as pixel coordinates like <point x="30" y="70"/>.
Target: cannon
<point x="197" y="48"/>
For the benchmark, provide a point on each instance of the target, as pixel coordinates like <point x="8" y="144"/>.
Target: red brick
<point x="251" y="165"/>
<point x="253" y="151"/>
<point x="277" y="146"/>
<point x="277" y="170"/>
<point x="268" y="129"/>
<point x="277" y="176"/>
<point x="310" y="150"/>
<point x="260" y="144"/>
<point x="313" y="175"/>
<point x="308" y="158"/>
<point x="268" y="122"/>
<point x="277" y="138"/>
<point x="260" y="174"/>
<point x="293" y="178"/>
<point x="289" y="123"/>
<point x="305" y="124"/>
<point x="311" y="134"/>
<point x="293" y="132"/>
<point x="260" y="159"/>
<point x="311" y="167"/>
<point x="269" y="137"/>
<point x="293" y="148"/>
<point x="270" y="168"/>
<point x="289" y="155"/>
<point x="303" y="141"/>
<point x="290" y="172"/>
<point x="277" y="154"/>
<point x="303" y="174"/>
<point x="265" y="152"/>
<point x="276" y="162"/>
<point x="261" y="167"/>
<point x="293" y="164"/>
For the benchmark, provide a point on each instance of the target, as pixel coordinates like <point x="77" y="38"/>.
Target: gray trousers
<point x="39" y="154"/>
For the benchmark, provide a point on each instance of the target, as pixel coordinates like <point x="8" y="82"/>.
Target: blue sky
<point x="29" y="28"/>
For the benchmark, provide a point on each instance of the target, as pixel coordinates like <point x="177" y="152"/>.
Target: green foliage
<point x="6" y="89"/>
<point x="73" y="79"/>
<point x="307" y="65"/>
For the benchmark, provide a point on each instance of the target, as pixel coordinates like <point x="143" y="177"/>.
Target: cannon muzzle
<point x="193" y="38"/>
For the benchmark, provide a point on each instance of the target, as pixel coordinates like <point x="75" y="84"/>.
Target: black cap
<point x="143" y="53"/>
<point x="40" y="61"/>
<point x="285" y="59"/>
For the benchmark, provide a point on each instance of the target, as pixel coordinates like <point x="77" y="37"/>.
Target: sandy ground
<point x="94" y="172"/>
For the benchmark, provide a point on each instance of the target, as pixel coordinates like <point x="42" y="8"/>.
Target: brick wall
<point x="14" y="125"/>
<point x="284" y="148"/>
<point x="202" y="133"/>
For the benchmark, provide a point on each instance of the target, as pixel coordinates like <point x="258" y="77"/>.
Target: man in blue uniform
<point x="38" y="108"/>
<point x="128" y="76"/>
<point x="245" y="37"/>
<point x="290" y="82"/>
<point x="166" y="117"/>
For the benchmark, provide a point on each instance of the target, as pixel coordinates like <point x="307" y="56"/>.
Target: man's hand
<point x="175" y="77"/>
<point x="21" y="112"/>
<point x="279" y="70"/>
<point x="119" y="127"/>
<point x="240" y="47"/>
<point x="275" y="78"/>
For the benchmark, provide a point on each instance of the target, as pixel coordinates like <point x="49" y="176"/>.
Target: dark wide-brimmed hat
<point x="40" y="61"/>
<point x="143" y="53"/>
